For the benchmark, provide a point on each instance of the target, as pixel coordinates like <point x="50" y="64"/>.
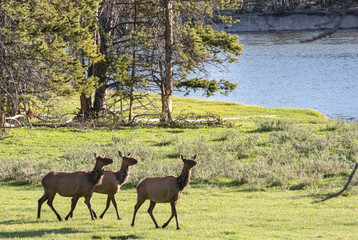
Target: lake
<point x="277" y="71"/>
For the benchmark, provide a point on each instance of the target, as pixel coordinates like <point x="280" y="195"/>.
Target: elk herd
<point x="85" y="183"/>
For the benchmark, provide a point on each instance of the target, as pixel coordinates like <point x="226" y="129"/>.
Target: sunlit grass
<point x="241" y="188"/>
<point x="205" y="212"/>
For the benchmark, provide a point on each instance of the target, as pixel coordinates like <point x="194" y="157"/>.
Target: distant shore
<point x="308" y="19"/>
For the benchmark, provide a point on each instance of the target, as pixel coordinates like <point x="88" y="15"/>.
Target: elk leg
<point x="73" y="205"/>
<point x="49" y="202"/>
<point x="107" y="206"/>
<point x="150" y="211"/>
<point x="174" y="213"/>
<point x="88" y="203"/>
<point x="136" y="207"/>
<point x="94" y="214"/>
<point x="174" y="209"/>
<point x="115" y="206"/>
<point x="40" y="202"/>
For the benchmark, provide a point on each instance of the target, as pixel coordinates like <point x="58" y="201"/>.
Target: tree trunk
<point x="99" y="69"/>
<point x="85" y="104"/>
<point x="100" y="99"/>
<point x="3" y="123"/>
<point x="167" y="84"/>
<point x="130" y="114"/>
<point x="133" y="75"/>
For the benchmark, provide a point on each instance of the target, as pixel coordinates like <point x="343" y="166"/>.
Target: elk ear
<point x="194" y="157"/>
<point x="95" y="155"/>
<point x="120" y="153"/>
<point x="182" y="157"/>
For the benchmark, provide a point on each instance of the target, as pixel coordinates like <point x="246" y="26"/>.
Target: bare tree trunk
<point x="167" y="84"/>
<point x="133" y="77"/>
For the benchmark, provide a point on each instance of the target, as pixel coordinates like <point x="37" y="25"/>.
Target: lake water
<point x="277" y="71"/>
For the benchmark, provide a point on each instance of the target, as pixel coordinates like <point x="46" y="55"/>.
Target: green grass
<point x="236" y="110"/>
<point x="185" y="105"/>
<point x="205" y="212"/>
<point x="245" y="185"/>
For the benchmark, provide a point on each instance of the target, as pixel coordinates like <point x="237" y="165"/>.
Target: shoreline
<point x="299" y="20"/>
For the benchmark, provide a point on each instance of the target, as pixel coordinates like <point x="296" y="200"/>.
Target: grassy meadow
<point x="256" y="176"/>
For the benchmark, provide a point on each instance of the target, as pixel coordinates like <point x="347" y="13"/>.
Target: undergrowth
<point x="272" y="153"/>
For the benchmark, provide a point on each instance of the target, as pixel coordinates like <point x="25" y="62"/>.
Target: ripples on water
<point x="276" y="70"/>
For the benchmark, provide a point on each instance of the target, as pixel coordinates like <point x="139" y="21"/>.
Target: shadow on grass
<point x="13" y="183"/>
<point x="163" y="144"/>
<point x="173" y="155"/>
<point x="36" y="233"/>
<point x="20" y="184"/>
<point x="15" y="222"/>
<point x="122" y="237"/>
<point x="129" y="185"/>
<point x="222" y="139"/>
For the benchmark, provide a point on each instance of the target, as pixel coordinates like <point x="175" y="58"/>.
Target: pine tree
<point x="44" y="49"/>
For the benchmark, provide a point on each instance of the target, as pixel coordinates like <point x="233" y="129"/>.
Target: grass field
<point x="255" y="177"/>
<point x="205" y="212"/>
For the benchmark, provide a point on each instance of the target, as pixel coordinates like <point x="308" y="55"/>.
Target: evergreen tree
<point x="44" y="49"/>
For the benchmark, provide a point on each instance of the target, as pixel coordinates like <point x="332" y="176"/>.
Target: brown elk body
<point x="112" y="182"/>
<point x="164" y="189"/>
<point x="72" y="184"/>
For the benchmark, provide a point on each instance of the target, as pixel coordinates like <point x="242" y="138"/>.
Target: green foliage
<point x="199" y="46"/>
<point x="49" y="45"/>
<point x="210" y="87"/>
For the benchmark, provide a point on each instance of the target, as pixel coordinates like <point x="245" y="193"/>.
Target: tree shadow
<point x="36" y="233"/>
<point x="122" y="237"/>
<point x="15" y="222"/>
<point x="173" y="155"/>
<point x="25" y="186"/>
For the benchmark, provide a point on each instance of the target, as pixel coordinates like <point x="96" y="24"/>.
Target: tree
<point x="158" y="44"/>
<point x="44" y="48"/>
<point x="191" y="43"/>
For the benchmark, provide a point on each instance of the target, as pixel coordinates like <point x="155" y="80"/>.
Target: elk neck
<point x="96" y="174"/>
<point x="183" y="178"/>
<point x="123" y="173"/>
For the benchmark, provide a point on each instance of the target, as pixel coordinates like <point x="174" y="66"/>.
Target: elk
<point x="112" y="182"/>
<point x="164" y="189"/>
<point x="72" y="184"/>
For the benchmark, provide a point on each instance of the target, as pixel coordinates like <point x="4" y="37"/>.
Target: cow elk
<point x="112" y="182"/>
<point x="164" y="189"/>
<point x="72" y="184"/>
